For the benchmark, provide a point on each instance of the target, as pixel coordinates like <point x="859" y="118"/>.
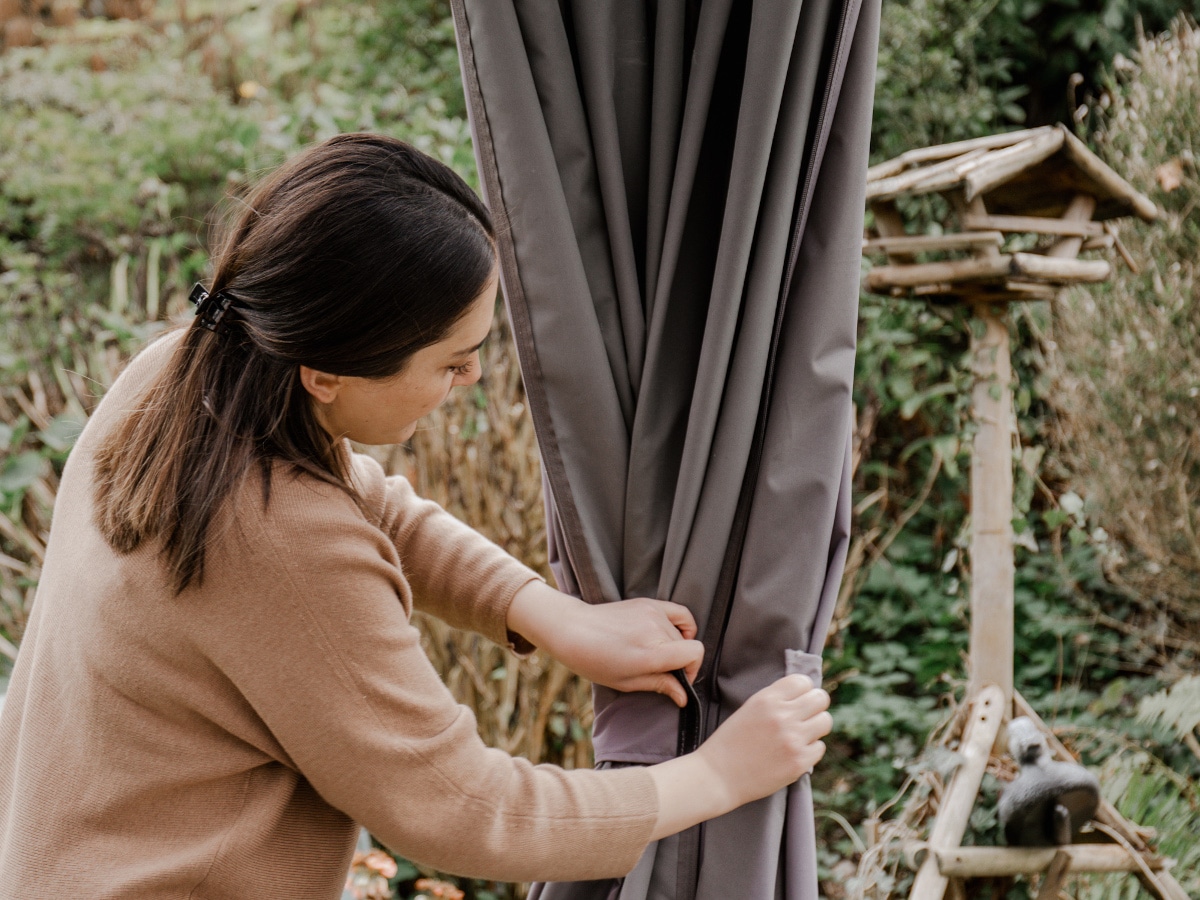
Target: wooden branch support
<point x="890" y="224"/>
<point x="1031" y="225"/>
<point x="987" y="713"/>
<point x="1004" y="292"/>
<point x="999" y="862"/>
<point x="936" y="177"/>
<point x="1110" y="230"/>
<point x="922" y="243"/>
<point x="1062" y="271"/>
<point x="1027" y="290"/>
<point x="883" y="277"/>
<point x="1104" y="242"/>
<point x="995" y="268"/>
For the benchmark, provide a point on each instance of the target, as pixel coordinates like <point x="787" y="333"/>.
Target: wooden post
<point x="1055" y="876"/>
<point x="992" y="277"/>
<point x="1080" y="209"/>
<point x="991" y="638"/>
<point x="954" y="811"/>
<point x="889" y="223"/>
<point x="992" y="568"/>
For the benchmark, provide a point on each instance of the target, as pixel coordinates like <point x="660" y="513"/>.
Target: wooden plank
<point x="1095" y="168"/>
<point x="990" y="642"/>
<point x="946" y="151"/>
<point x="883" y="277"/>
<point x="999" y="862"/>
<point x="914" y="180"/>
<point x="1104" y="242"/>
<point x="929" y="242"/>
<point x="987" y="712"/>
<point x="1031" y="225"/>
<point x="893" y="166"/>
<point x="983" y="291"/>
<point x="1060" y="271"/>
<point x="1030" y="290"/>
<point x="1003" y="164"/>
<point x="945" y="176"/>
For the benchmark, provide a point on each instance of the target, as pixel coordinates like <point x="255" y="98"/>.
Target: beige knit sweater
<point x="223" y="743"/>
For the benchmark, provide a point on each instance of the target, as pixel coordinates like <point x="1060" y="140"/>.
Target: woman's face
<point x="386" y="410"/>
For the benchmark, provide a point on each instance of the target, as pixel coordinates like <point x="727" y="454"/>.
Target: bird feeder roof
<point x="1036" y="172"/>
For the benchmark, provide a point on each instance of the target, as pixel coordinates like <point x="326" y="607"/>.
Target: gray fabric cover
<point x="675" y="185"/>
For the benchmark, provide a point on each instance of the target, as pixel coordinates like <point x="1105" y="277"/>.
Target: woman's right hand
<point x="772" y="740"/>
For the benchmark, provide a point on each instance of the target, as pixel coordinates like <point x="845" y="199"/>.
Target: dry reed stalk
<point x="25" y="534"/>
<point x="1127" y="377"/>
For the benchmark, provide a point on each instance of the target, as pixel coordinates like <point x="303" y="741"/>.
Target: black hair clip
<point x="210" y="308"/>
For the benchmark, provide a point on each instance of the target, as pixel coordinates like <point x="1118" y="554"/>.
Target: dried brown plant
<point x="1124" y="356"/>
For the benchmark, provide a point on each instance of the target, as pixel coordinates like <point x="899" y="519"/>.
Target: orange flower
<point x="442" y="890"/>
<point x="380" y="862"/>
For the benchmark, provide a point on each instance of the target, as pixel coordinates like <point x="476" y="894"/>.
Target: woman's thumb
<point x="668" y="685"/>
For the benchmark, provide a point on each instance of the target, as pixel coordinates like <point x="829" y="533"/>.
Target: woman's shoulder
<point x="134" y="381"/>
<point x="299" y="534"/>
<point x="293" y="503"/>
<point x="146" y="364"/>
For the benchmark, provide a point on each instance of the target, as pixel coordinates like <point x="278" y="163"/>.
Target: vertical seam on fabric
<point x="539" y="405"/>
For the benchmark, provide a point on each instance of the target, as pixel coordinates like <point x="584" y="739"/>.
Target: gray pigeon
<point x="1048" y="802"/>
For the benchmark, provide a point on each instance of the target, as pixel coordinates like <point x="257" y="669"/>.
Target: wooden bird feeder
<point x="1022" y="208"/>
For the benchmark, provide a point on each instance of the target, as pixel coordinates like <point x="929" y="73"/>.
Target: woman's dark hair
<point x="348" y="259"/>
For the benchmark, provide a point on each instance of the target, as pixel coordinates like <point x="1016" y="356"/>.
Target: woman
<point x="219" y="677"/>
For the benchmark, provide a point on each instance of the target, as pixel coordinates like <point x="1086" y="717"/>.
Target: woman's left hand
<point x="629" y="645"/>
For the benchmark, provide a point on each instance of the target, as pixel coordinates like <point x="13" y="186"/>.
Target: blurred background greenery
<point x="124" y="125"/>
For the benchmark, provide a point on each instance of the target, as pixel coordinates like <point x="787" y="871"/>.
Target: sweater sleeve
<point x="455" y="572"/>
<point x="309" y="629"/>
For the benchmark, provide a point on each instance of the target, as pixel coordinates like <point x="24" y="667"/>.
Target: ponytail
<point x="349" y="259"/>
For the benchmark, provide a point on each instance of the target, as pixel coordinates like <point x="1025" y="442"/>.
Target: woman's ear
<point x="321" y="386"/>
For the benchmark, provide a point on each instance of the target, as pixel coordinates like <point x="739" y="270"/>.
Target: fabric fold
<point x="680" y="191"/>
